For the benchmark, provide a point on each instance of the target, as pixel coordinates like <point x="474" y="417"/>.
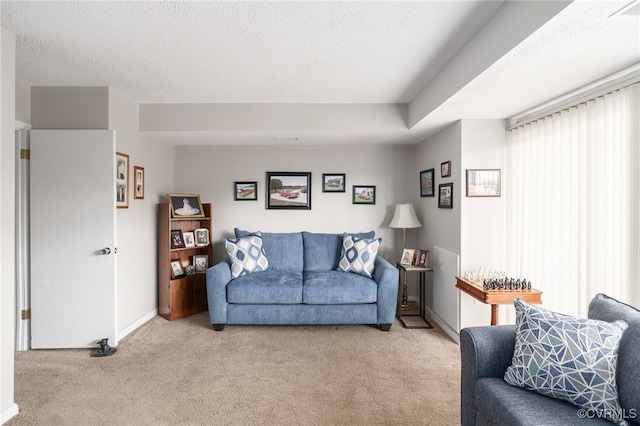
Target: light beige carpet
<point x="184" y="373"/>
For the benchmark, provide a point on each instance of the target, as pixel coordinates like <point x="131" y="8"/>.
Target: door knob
<point x="105" y="251"/>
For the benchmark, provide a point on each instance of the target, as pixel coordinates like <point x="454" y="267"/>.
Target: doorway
<point x="23" y="284"/>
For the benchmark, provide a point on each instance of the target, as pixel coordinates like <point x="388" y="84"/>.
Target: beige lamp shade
<point x="405" y="217"/>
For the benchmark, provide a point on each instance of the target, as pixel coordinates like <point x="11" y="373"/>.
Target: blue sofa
<point x="487" y="399"/>
<point x="302" y="286"/>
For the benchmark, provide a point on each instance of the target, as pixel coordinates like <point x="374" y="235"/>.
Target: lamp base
<point x="408" y="306"/>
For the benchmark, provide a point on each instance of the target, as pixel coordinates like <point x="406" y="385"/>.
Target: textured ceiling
<point x="312" y="53"/>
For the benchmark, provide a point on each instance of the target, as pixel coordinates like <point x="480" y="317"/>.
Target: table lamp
<point x="405" y="217"/>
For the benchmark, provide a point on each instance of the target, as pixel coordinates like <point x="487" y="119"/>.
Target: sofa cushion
<point x="284" y="250"/>
<point x="564" y="357"/>
<point x="606" y="308"/>
<point x="246" y="255"/>
<point x="359" y="254"/>
<point x="322" y="251"/>
<point x="335" y="287"/>
<point x="270" y="287"/>
<point x="499" y="403"/>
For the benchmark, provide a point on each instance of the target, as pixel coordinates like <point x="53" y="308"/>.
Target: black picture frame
<point x="426" y="183"/>
<point x="334" y="182"/>
<point x="177" y="239"/>
<point x="288" y="191"/>
<point x="245" y="191"/>
<point x="445" y="169"/>
<point x="445" y="196"/>
<point x="185" y="205"/>
<point x="364" y="194"/>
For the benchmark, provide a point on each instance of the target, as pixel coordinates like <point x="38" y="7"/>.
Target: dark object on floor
<point x="105" y="349"/>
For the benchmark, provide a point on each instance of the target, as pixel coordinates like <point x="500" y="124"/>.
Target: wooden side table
<point x="403" y="282"/>
<point x="496" y="297"/>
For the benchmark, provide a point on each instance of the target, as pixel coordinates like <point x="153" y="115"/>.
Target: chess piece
<point x="105" y="349"/>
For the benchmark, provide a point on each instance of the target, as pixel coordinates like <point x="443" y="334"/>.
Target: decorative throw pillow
<point x="246" y="255"/>
<point x="568" y="358"/>
<point x="359" y="254"/>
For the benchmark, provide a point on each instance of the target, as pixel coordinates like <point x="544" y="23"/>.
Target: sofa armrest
<point x="218" y="277"/>
<point x="484" y="352"/>
<point x="386" y="276"/>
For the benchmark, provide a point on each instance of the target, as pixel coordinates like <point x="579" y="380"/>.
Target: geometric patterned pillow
<point x="568" y="358"/>
<point x="359" y="255"/>
<point x="246" y="255"/>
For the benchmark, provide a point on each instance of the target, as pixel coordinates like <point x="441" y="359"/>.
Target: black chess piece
<point x="105" y="349"/>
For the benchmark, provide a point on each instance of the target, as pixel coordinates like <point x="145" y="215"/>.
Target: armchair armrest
<point x="386" y="276"/>
<point x="218" y="277"/>
<point x="484" y="352"/>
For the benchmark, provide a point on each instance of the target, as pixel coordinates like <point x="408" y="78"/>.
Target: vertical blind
<point x="573" y="203"/>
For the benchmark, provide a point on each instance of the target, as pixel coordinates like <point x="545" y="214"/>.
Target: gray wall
<point x="211" y="172"/>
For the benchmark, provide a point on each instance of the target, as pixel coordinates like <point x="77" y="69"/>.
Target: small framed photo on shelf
<point x="185" y="205"/>
<point x="407" y="257"/>
<point x="422" y="258"/>
<point x="445" y="169"/>
<point x="138" y="189"/>
<point x="426" y="183"/>
<point x="364" y="194"/>
<point x="445" y="198"/>
<point x="333" y="182"/>
<point x="177" y="239"/>
<point x="202" y="237"/>
<point x="189" y="239"/>
<point x="177" y="270"/>
<point x="201" y="263"/>
<point x="246" y="191"/>
<point x="190" y="269"/>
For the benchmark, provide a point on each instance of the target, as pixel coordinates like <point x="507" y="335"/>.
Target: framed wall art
<point x="289" y="190"/>
<point x="445" y="169"/>
<point x="185" y="205"/>
<point x="364" y="194"/>
<point x="445" y="197"/>
<point x="483" y="183"/>
<point x="246" y="191"/>
<point x="426" y="183"/>
<point x="333" y="182"/>
<point x="138" y="176"/>
<point x="122" y="180"/>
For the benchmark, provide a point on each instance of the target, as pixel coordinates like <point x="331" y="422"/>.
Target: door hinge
<point x="25" y="154"/>
<point x="25" y="314"/>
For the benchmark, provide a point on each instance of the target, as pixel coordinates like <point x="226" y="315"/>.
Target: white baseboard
<point x="455" y="336"/>
<point x="9" y="413"/>
<point x="136" y="324"/>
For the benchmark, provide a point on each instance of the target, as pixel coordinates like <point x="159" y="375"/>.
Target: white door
<point x="73" y="287"/>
